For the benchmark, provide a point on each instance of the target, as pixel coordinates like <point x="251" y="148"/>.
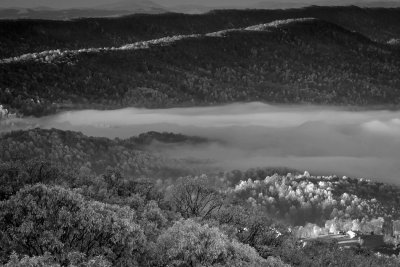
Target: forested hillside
<point x="291" y="61"/>
<point x="53" y="213"/>
<point x="302" y="199"/>
<point x="307" y="199"/>
<point x="74" y="150"/>
<point x="26" y="36"/>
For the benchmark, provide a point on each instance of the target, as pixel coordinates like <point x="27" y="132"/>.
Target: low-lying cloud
<point x="326" y="140"/>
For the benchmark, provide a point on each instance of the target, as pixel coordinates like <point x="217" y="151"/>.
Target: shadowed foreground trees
<point x="16" y="175"/>
<point x="47" y="260"/>
<point x="41" y="219"/>
<point x="191" y="243"/>
<point x="112" y="220"/>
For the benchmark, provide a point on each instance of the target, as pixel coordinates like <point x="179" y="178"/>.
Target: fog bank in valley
<point x="326" y="140"/>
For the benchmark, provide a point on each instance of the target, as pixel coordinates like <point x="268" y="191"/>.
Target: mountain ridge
<point x="27" y="36"/>
<point x="130" y="5"/>
<point x="49" y="56"/>
<point x="308" y="61"/>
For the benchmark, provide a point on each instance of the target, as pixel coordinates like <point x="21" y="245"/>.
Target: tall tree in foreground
<point x="194" y="197"/>
<point x="188" y="243"/>
<point x="40" y="219"/>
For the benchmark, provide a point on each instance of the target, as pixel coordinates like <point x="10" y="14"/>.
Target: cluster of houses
<point x="373" y="240"/>
<point x="390" y="229"/>
<point x="370" y="240"/>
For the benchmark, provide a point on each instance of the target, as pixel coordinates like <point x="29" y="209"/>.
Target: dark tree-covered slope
<point x="25" y="36"/>
<point x="292" y="61"/>
<point x="93" y="154"/>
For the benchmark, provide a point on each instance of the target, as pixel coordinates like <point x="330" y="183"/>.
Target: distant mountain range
<point x="67" y="14"/>
<point x="219" y="57"/>
<point x="119" y="8"/>
<point x="19" y="37"/>
<point x="285" y="4"/>
<point x="45" y="9"/>
<point x="129" y="5"/>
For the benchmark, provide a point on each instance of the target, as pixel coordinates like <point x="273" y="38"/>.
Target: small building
<point x="351" y="234"/>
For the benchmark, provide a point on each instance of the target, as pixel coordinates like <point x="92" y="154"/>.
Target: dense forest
<point x="26" y="36"/>
<point x="55" y="214"/>
<point x="291" y="61"/>
<point x="133" y="156"/>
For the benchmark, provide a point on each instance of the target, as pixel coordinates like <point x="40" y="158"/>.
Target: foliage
<point x="75" y="259"/>
<point x="327" y="253"/>
<point x="14" y="175"/>
<point x="301" y="62"/>
<point x="42" y="219"/>
<point x="90" y="155"/>
<point x="193" y="197"/>
<point x="25" y="36"/>
<point x="51" y="216"/>
<point x="299" y="199"/>
<point x="45" y="260"/>
<point x="190" y="243"/>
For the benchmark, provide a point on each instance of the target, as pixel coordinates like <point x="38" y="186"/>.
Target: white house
<point x="351" y="234"/>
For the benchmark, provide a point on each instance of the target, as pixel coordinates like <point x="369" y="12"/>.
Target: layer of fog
<point x="322" y="140"/>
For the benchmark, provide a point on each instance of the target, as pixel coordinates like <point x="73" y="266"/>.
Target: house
<point x="351" y="234"/>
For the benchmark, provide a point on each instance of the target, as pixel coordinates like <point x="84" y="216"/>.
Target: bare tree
<point x="194" y="197"/>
